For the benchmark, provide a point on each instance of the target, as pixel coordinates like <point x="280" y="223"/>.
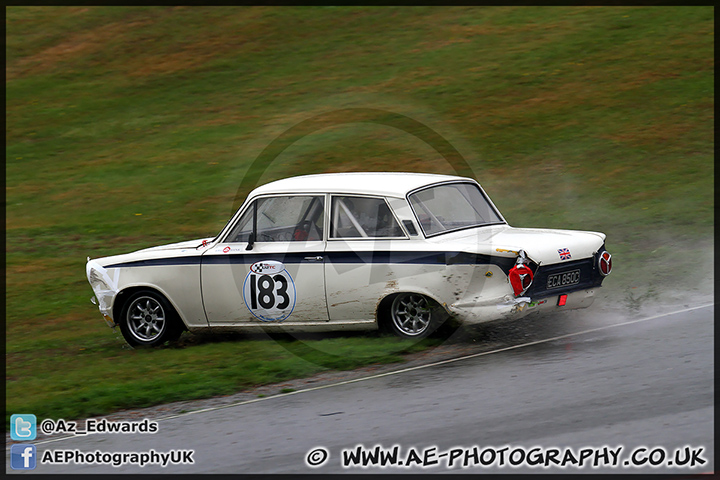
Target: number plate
<point x="564" y="279"/>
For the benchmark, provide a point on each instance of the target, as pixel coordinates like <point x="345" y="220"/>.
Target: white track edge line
<point x="403" y="370"/>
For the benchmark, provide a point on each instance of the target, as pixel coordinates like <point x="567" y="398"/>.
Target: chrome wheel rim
<point x="411" y="314"/>
<point x="145" y="319"/>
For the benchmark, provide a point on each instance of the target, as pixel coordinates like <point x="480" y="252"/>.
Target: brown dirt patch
<point x="149" y="55"/>
<point x="75" y="46"/>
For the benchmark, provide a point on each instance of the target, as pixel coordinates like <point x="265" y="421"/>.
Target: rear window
<point x="453" y="206"/>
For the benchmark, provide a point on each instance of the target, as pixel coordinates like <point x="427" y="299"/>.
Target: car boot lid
<point x="544" y="246"/>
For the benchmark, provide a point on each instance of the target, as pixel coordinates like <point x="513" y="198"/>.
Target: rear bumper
<point x="519" y="307"/>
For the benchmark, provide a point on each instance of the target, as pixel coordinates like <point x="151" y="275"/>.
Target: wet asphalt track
<point x="643" y="384"/>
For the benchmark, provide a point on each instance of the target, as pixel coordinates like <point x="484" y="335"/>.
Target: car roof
<point x="390" y="184"/>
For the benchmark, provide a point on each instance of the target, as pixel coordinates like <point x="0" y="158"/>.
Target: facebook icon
<point x="23" y="457"/>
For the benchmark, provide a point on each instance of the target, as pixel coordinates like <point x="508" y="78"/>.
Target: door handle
<point x="317" y="258"/>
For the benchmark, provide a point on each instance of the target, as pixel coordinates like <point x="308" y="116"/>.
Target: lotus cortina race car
<point x="396" y="251"/>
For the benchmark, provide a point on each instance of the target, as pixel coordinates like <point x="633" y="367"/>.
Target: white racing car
<point x="401" y="251"/>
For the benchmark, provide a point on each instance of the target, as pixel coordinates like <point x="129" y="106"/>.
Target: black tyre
<point x="412" y="315"/>
<point x="148" y="319"/>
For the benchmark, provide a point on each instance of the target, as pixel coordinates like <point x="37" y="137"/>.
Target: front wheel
<point x="414" y="316"/>
<point x="147" y="319"/>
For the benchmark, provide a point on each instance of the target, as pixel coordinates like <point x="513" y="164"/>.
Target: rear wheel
<point x="147" y="319"/>
<point x="414" y="316"/>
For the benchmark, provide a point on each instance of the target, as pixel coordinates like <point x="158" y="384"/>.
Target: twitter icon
<point x="23" y="426"/>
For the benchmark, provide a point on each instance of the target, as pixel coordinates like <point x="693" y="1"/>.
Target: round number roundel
<point x="269" y="291"/>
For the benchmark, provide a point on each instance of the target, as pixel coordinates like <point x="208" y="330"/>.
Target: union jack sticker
<point x="564" y="254"/>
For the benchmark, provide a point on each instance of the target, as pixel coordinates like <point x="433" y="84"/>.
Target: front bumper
<point x="105" y="287"/>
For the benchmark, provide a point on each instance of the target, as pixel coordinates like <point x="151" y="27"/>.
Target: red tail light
<point x="521" y="278"/>
<point x="605" y="263"/>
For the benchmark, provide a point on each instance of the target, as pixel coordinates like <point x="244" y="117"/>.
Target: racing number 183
<point x="263" y="290"/>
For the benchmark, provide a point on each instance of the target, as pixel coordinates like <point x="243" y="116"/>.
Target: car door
<point x="269" y="267"/>
<point x="360" y="259"/>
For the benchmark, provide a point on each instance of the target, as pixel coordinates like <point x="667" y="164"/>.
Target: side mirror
<point x="251" y="240"/>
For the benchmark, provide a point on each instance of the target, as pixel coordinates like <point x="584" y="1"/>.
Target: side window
<point x="362" y="217"/>
<point x="282" y="219"/>
<point x="242" y="230"/>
